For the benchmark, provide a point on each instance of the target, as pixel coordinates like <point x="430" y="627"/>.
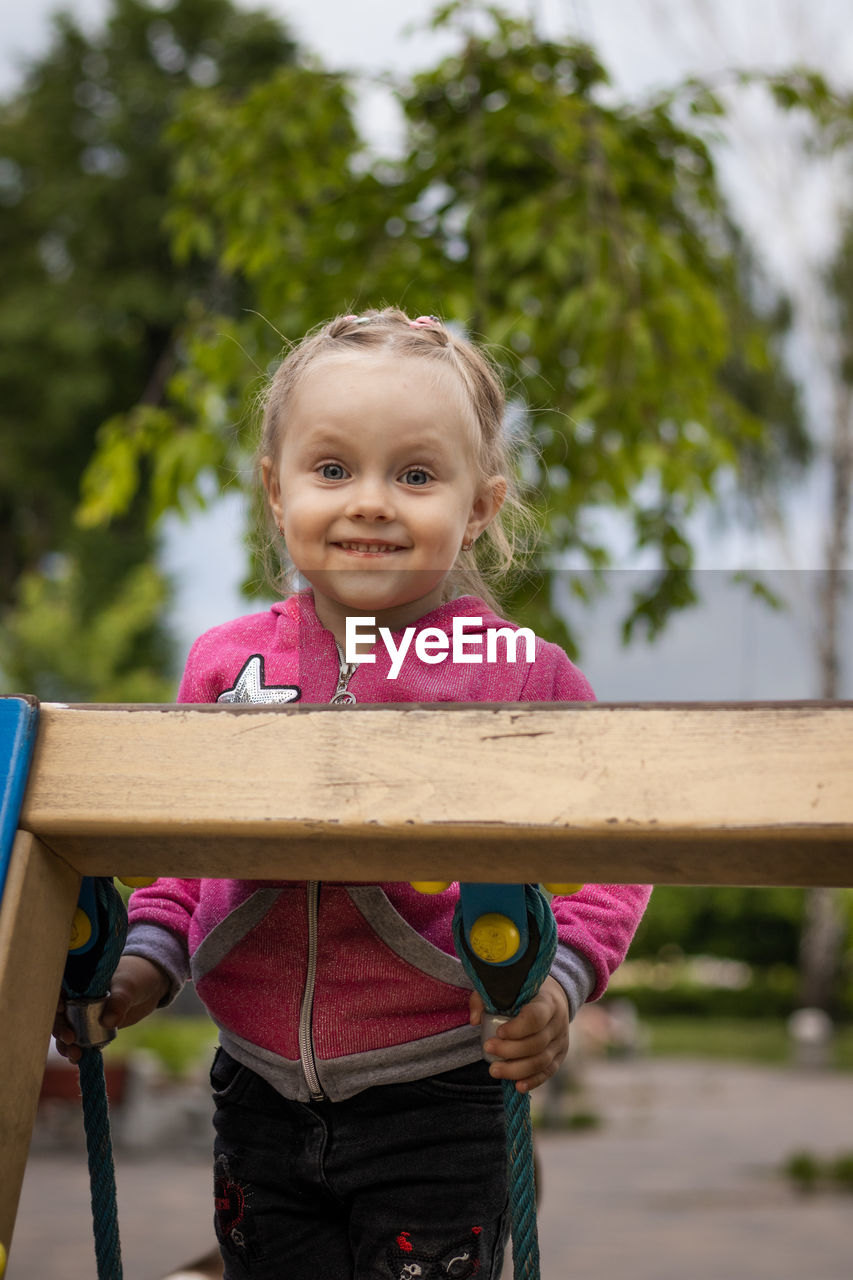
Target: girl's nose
<point x="370" y="499"/>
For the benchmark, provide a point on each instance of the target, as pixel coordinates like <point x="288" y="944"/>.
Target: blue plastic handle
<point x="87" y="903"/>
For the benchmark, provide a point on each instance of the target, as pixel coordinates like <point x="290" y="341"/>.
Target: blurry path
<point x="680" y="1182"/>
<point x="165" y="1211"/>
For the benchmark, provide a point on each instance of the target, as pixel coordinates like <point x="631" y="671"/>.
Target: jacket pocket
<point x="228" y="1078"/>
<point x="471" y="1083"/>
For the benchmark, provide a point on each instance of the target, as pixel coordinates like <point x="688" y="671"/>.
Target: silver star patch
<point x="249" y="686"/>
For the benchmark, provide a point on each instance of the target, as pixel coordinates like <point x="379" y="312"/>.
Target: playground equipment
<point x="722" y="794"/>
<point x="507" y="953"/>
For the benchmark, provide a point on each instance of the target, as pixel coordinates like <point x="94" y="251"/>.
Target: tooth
<point x="368" y="546"/>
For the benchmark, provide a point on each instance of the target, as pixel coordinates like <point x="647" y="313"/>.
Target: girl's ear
<point x="487" y="503"/>
<point x="269" y="475"/>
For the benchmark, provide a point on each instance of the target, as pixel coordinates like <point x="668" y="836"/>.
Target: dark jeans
<point x="400" y="1182"/>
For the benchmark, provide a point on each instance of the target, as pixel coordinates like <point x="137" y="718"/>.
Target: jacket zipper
<point x="306" y="1042"/>
<point x="341" y="696"/>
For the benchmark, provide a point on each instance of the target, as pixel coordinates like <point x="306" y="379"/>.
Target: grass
<point x="809" y="1173"/>
<point x="735" y="1039"/>
<point x="180" y="1044"/>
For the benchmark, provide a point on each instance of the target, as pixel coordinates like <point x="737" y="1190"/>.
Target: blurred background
<point x="645" y="209"/>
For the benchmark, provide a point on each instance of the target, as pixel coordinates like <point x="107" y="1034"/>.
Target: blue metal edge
<point x="18" y="725"/>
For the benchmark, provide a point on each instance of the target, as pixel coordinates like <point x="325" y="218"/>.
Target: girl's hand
<point x="136" y="989"/>
<point x="531" y="1045"/>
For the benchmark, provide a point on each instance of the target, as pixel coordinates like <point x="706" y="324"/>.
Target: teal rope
<point x="519" y="1130"/>
<point x="102" y="1177"/>
<point x="94" y="979"/>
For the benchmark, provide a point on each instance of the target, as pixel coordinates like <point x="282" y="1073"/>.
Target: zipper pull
<point x="342" y="696"/>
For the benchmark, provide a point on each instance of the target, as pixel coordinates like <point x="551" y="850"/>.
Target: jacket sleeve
<point x="553" y="677"/>
<point x="595" y="925"/>
<point x="158" y="927"/>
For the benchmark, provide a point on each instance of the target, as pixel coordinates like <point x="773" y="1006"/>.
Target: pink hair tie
<point x="425" y="322"/>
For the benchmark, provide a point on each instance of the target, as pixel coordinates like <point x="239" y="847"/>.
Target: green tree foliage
<point x="91" y="295"/>
<point x="585" y="240"/>
<point x="54" y="643"/>
<point x="760" y="926"/>
<point x="601" y="260"/>
<point x="259" y="189"/>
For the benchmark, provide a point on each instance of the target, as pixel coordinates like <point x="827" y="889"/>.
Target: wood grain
<point x="708" y="794"/>
<point x="35" y="924"/>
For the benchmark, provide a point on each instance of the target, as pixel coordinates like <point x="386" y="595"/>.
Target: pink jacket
<point x="327" y="989"/>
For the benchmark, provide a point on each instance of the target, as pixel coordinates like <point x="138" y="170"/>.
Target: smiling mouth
<point x="375" y="548"/>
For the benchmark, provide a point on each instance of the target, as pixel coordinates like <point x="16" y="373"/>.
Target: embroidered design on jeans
<point x="458" y="1262"/>
<point x="230" y="1202"/>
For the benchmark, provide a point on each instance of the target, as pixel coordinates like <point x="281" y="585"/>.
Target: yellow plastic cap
<point x="562" y="889"/>
<point x="494" y="938"/>
<point x="81" y="930"/>
<point x="137" y="882"/>
<point x="431" y="886"/>
<point x="2" y="1260"/>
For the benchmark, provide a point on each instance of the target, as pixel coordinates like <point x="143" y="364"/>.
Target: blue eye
<point x="422" y="477"/>
<point x="332" y="471"/>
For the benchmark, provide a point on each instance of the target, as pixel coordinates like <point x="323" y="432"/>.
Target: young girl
<point x="359" y="1128"/>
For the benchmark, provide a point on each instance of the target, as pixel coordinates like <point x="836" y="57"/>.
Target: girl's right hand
<point x="136" y="990"/>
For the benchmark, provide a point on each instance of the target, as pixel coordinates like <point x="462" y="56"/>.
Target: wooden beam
<point x="35" y="925"/>
<point x="680" y="794"/>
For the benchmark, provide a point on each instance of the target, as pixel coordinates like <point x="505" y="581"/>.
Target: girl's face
<point x="376" y="486"/>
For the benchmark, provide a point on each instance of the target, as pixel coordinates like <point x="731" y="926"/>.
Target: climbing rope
<point x="519" y="1131"/>
<point x="85" y="986"/>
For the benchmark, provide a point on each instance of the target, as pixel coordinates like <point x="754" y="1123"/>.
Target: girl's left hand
<point x="531" y="1045"/>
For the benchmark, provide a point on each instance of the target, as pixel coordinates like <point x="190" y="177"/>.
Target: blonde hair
<point x="504" y="543"/>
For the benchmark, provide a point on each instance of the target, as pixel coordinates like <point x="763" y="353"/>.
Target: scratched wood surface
<point x="702" y="794"/>
<point x="35" y="923"/>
